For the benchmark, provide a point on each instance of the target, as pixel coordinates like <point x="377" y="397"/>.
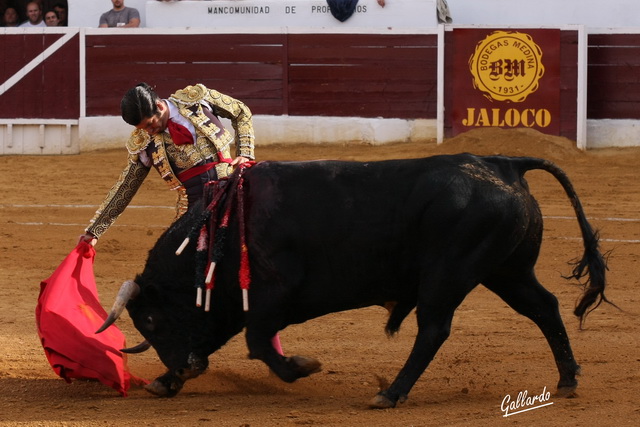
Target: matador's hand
<point x="89" y="238"/>
<point x="239" y="160"/>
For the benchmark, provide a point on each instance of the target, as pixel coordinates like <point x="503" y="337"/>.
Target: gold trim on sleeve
<point x="118" y="198"/>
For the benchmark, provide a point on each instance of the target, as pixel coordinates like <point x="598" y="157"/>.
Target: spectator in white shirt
<point x="34" y="14"/>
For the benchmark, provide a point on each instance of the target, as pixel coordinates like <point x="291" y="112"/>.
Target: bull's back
<point x="360" y="228"/>
<point x="319" y="197"/>
<point x="342" y="200"/>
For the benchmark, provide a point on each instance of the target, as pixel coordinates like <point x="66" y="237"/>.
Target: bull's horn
<point x="128" y="291"/>
<point x="143" y="346"/>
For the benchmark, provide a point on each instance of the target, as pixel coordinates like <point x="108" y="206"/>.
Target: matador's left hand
<point x="239" y="160"/>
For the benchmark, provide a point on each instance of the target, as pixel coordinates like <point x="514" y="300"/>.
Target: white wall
<point x="34" y="136"/>
<point x="283" y="13"/>
<point x="613" y="133"/>
<point x="398" y="14"/>
<point x="591" y="13"/>
<point x="112" y="131"/>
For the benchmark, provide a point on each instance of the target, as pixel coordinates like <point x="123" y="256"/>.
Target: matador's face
<point x="158" y="122"/>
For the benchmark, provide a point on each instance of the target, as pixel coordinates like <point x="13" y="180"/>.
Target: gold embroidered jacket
<point x="212" y="144"/>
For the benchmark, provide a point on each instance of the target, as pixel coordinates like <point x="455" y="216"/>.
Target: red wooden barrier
<point x="361" y="75"/>
<point x="613" y="76"/>
<point x="51" y="89"/>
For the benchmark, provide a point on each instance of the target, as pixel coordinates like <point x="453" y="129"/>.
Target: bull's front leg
<point x="169" y="384"/>
<point x="261" y="347"/>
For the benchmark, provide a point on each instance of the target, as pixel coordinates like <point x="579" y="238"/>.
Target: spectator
<point x="21" y="7"/>
<point x="10" y="18"/>
<point x="34" y="14"/>
<point x="342" y="9"/>
<point x="120" y="16"/>
<point x="61" y="10"/>
<point x="444" y="16"/>
<point x="51" y="19"/>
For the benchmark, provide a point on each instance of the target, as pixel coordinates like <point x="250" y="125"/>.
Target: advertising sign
<point x="506" y="79"/>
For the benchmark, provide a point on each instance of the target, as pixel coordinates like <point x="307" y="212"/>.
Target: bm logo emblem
<point x="506" y="66"/>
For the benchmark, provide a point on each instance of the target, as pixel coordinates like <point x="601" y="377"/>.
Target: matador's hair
<point x="139" y="103"/>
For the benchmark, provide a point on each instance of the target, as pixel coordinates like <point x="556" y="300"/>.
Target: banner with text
<point x="506" y="79"/>
<point x="396" y="14"/>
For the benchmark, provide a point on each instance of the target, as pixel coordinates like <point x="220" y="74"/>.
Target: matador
<point x="183" y="138"/>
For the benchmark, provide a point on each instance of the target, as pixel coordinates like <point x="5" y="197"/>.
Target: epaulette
<point x="138" y="141"/>
<point x="190" y="94"/>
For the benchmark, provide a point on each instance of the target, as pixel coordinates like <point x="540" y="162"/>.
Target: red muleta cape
<point x="68" y="314"/>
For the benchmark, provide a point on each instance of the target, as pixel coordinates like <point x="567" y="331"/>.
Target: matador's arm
<point x="240" y="116"/>
<point x="118" y="197"/>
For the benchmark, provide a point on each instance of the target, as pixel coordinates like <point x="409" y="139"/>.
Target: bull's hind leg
<point x="434" y="317"/>
<point x="529" y="298"/>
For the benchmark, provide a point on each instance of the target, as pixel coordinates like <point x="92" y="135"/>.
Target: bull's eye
<point x="150" y="323"/>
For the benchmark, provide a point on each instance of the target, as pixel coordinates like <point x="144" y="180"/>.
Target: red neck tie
<point x="179" y="134"/>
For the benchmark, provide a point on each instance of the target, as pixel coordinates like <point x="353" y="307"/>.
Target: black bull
<point x="327" y="236"/>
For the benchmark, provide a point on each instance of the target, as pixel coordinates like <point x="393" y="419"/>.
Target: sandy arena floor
<point x="492" y="352"/>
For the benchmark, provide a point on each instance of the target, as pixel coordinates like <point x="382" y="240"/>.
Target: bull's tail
<point x="592" y="266"/>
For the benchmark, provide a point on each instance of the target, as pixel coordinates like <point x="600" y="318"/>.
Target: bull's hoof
<point x="296" y="367"/>
<point x="380" y="401"/>
<point x="567" y="388"/>
<point x="305" y="366"/>
<point x="158" y="388"/>
<point x="567" y="392"/>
